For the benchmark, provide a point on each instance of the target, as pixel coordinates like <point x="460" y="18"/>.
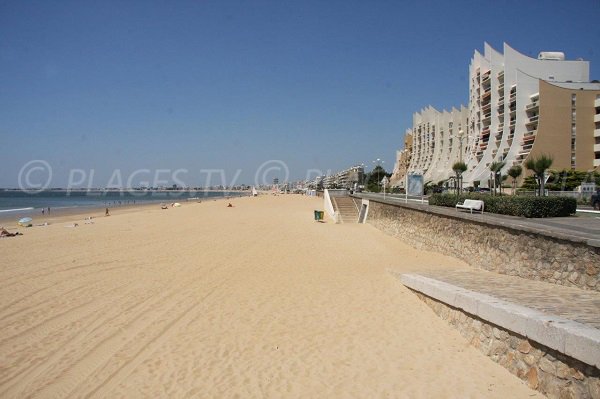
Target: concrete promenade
<point x="566" y="302"/>
<point x="547" y="335"/>
<point x="583" y="227"/>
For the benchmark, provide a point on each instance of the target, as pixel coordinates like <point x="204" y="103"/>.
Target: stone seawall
<point x="541" y="368"/>
<point x="501" y="249"/>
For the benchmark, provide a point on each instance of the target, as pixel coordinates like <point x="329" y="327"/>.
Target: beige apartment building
<point x="565" y="123"/>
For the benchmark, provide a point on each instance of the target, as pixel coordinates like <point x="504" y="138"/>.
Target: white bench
<point x="471" y="205"/>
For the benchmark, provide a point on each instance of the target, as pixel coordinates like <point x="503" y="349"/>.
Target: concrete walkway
<point x="583" y="227"/>
<point x="562" y="318"/>
<point x="571" y="303"/>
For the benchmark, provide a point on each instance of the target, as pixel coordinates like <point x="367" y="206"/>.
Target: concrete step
<point x="346" y="208"/>
<point x="521" y="324"/>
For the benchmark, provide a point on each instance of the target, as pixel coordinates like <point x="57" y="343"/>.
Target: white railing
<point x="328" y="204"/>
<point x="356" y="205"/>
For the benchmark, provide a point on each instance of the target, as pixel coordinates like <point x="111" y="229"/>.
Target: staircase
<point x="347" y="209"/>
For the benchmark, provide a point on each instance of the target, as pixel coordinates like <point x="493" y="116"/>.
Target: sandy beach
<point x="208" y="301"/>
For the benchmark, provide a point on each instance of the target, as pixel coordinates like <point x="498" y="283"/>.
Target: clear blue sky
<point x="222" y="84"/>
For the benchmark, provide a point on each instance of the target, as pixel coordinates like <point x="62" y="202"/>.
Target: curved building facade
<point x="519" y="107"/>
<point x="438" y="141"/>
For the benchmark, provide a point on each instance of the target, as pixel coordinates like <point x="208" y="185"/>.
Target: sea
<point x="17" y="204"/>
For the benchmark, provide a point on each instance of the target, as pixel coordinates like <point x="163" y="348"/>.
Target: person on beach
<point x="230" y="206"/>
<point x="43" y="211"/>
<point x="106" y="213"/>
<point x="6" y="233"/>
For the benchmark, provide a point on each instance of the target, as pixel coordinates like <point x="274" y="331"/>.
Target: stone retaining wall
<point x="541" y="368"/>
<point x="499" y="249"/>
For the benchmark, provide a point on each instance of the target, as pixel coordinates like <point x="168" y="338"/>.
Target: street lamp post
<point x="378" y="162"/>
<point x="461" y="136"/>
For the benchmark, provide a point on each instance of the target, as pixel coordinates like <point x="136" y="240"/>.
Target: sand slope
<point x="207" y="301"/>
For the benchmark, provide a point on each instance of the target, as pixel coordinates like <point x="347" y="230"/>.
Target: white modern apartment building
<point x="504" y="104"/>
<point x="439" y="139"/>
<point x="519" y="107"/>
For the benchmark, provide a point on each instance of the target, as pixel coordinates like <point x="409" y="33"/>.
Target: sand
<point x="207" y="301"/>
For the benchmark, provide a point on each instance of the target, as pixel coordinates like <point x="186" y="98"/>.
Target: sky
<point x="100" y="90"/>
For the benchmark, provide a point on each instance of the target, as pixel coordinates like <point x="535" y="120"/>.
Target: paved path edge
<point x="569" y="337"/>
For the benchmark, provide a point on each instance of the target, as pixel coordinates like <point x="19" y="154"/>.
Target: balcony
<point x="532" y="121"/>
<point x="528" y="141"/>
<point x="486" y="95"/>
<point x="527" y="147"/>
<point x="596" y="132"/>
<point x="522" y="155"/>
<point x="501" y="87"/>
<point x="530" y="133"/>
<point x="531" y="124"/>
<point x="597" y="118"/>
<point x="596" y="147"/>
<point x="597" y="102"/>
<point x="501" y="100"/>
<point x="532" y="106"/>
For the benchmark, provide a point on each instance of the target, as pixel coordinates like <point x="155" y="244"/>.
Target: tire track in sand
<point x="102" y="352"/>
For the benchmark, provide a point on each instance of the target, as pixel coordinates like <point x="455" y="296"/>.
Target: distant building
<point x="403" y="158"/>
<point x="348" y="178"/>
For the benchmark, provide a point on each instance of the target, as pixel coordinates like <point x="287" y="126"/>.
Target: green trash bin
<point x="319" y="215"/>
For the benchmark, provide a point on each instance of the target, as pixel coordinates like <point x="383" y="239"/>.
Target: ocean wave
<point x="17" y="209"/>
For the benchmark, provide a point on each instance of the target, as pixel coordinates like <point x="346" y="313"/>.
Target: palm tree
<point x="539" y="167"/>
<point x="496" y="168"/>
<point x="459" y="168"/>
<point x="514" y="172"/>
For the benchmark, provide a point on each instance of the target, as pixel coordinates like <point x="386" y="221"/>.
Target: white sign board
<point x="414" y="185"/>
